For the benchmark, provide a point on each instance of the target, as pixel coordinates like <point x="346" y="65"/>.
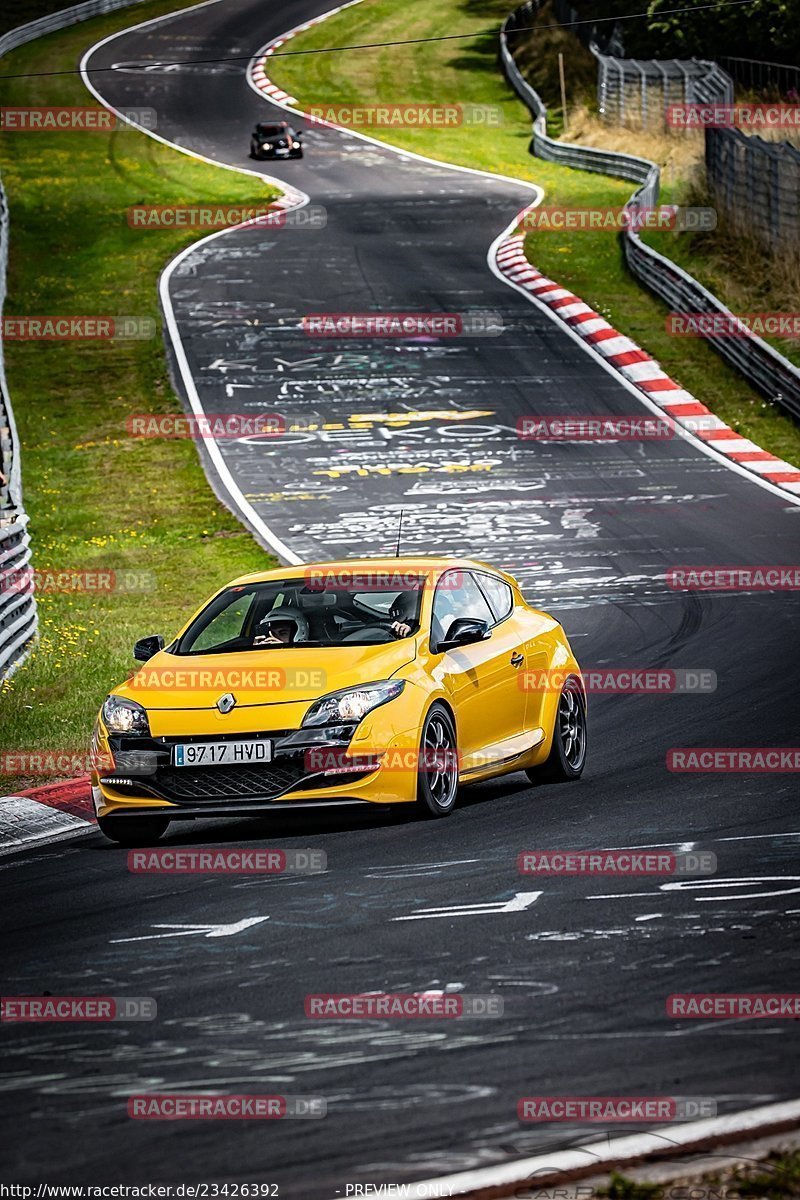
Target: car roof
<point x="419" y="565"/>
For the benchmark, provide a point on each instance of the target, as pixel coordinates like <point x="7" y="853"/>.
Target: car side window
<point x="226" y="626"/>
<point x="499" y="595"/>
<point x="457" y="595"/>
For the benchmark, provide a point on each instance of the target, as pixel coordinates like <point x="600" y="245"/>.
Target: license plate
<point x="281" y="150"/>
<point x="221" y="754"/>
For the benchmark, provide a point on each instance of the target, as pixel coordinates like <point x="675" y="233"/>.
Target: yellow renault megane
<point x="378" y="681"/>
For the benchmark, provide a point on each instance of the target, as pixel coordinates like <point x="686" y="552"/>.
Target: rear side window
<point x="498" y="593"/>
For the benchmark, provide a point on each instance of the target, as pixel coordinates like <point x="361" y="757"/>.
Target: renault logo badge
<point x="226" y="702"/>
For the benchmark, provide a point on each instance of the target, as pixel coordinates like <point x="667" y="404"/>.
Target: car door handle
<point x="517" y="660"/>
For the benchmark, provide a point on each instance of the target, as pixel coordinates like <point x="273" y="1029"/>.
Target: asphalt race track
<point x="584" y="969"/>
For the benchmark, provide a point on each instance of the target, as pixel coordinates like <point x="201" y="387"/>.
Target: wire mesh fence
<point x="637" y="92"/>
<point x="768" y="371"/>
<point x="765" y="78"/>
<point x="756" y="185"/>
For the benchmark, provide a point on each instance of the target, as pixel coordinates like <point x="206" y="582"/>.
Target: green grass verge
<point x="96" y="497"/>
<point x="776" y="1177"/>
<point x="468" y="71"/>
<point x="745" y="274"/>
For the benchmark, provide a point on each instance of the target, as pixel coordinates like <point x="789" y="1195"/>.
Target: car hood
<point x="274" y="676"/>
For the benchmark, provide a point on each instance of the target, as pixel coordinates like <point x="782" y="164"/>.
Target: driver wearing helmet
<point x="403" y="613"/>
<point x="283" y="626"/>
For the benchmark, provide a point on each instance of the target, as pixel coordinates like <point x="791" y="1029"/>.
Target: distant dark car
<point x="277" y="140"/>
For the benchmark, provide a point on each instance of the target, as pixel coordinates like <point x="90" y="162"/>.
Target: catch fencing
<point x="772" y="80"/>
<point x="762" y="366"/>
<point x="756" y="185"/>
<point x="637" y="91"/>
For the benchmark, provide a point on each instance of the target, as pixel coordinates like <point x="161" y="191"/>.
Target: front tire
<point x="133" y="831"/>
<point x="567" y="756"/>
<point x="437" y="770"/>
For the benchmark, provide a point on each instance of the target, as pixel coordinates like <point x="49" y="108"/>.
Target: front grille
<point x="209" y="785"/>
<point x="226" y="783"/>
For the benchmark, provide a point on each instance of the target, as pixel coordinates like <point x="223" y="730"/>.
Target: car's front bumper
<point x="142" y="781"/>
<point x="280" y="152"/>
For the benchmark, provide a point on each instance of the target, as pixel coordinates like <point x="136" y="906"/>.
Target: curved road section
<point x="583" y="965"/>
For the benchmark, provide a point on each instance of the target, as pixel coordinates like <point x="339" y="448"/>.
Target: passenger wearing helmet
<point x="282" y="626"/>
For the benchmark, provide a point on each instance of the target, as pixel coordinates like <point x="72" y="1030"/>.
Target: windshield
<point x="296" y="612"/>
<point x="270" y="130"/>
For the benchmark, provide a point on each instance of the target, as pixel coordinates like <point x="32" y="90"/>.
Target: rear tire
<point x="437" y="770"/>
<point x="133" y="831"/>
<point x="567" y="756"/>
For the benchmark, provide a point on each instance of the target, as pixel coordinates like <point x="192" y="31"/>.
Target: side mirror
<point x="146" y="647"/>
<point x="464" y="632"/>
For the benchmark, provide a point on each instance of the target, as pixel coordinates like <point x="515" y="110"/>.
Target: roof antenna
<point x="399" y="531"/>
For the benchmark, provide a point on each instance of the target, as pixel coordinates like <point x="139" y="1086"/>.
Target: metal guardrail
<point x="762" y="366"/>
<point x="59" y="20"/>
<point x="18" y="618"/>
<point x="18" y="613"/>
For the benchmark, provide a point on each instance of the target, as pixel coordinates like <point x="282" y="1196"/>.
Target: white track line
<point x="260" y="82"/>
<point x="598" y="1157"/>
<point x="292" y="198"/>
<point x="257" y="63"/>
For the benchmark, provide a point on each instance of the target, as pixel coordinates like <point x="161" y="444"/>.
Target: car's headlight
<point x="266" y="146"/>
<point x="295" y="145"/>
<point x="351" y="704"/>
<point x="124" y="716"/>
